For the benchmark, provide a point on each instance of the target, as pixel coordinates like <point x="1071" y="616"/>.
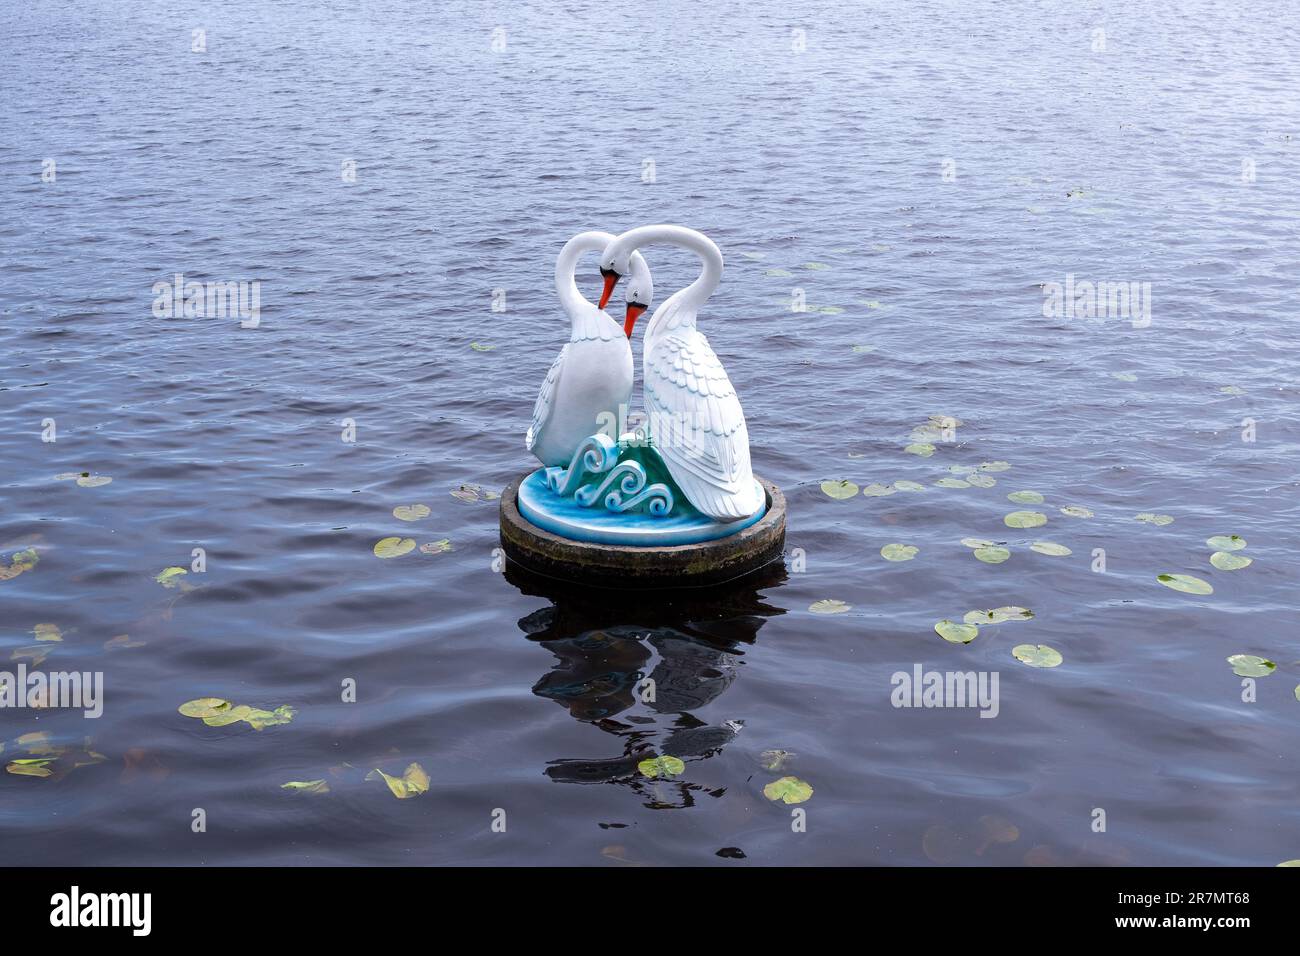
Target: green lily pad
<point x="436" y="547"/>
<point x="411" y="512"/>
<point x="204" y="707"/>
<point x="1186" y="583"/>
<point x="1025" y="519"/>
<point x="998" y="615"/>
<point x="961" y="470"/>
<point x="774" y="760"/>
<point x="815" y="266"/>
<point x="922" y="448"/>
<point x="906" y="485"/>
<point x="877" y="490"/>
<point x="31" y="767"/>
<point x="955" y="633"/>
<point x="977" y="543"/>
<point x="1226" y="542"/>
<point x="829" y="606"/>
<point x="993" y="555"/>
<point x="1025" y="497"/>
<point x="1124" y="376"/>
<point x="839" y="489"/>
<point x="661" y="766"/>
<point x="898" y="552"/>
<point x="306" y="786"/>
<point x="864" y="348"/>
<point x="169" y="577"/>
<point x="1227" y="561"/>
<point x="1232" y="390"/>
<point x="1249" y="665"/>
<point x="1037" y="655"/>
<point x="788" y="790"/>
<point x="227" y="717"/>
<point x="994" y="465"/>
<point x="480" y="347"/>
<point x="259" y="719"/>
<point x="952" y="483"/>
<point x="1047" y="547"/>
<point x="47" y="632"/>
<point x="1155" y="519"/>
<point x="830" y="309"/>
<point x="393" y="547"/>
<point x="19" y="562"/>
<point x="93" y="481"/>
<point x="778" y="273"/>
<point x="413" y="781"/>
<point x="1076" y="511"/>
<point x="981" y="480"/>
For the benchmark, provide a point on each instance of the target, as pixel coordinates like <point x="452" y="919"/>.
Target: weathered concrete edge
<point x="608" y="565"/>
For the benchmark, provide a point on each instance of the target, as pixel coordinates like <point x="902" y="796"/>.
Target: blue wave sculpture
<point x="596" y="474"/>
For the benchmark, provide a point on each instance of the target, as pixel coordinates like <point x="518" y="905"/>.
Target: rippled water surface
<point x="818" y="162"/>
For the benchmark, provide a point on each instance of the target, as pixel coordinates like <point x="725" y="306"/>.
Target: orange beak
<point x="633" y="313"/>
<point x="611" y="280"/>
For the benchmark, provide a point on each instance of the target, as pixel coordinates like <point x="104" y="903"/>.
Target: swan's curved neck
<point x="566" y="265"/>
<point x="682" y="306"/>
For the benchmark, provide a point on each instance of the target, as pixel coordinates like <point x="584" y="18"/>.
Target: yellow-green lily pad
<point x="393" y="547"/>
<point x="877" y="490"/>
<point x="1076" y="511"/>
<point x="993" y="555"/>
<point x="829" y="606"/>
<point x="952" y="483"/>
<point x="998" y="615"/>
<point x="788" y="790"/>
<point x="93" y="481"/>
<point x="1227" y="561"/>
<point x="994" y="465"/>
<point x="306" y="786"/>
<point x="981" y="480"/>
<point x="898" y="552"/>
<point x="1250" y="665"/>
<point x="1047" y="547"/>
<point x="1025" y="497"/>
<point x="436" y="547"/>
<point x="661" y="766"/>
<point x="411" y="512"/>
<point x="168" y="577"/>
<point x="1186" y="583"/>
<point x="1037" y="655"/>
<point x="955" y="633"/>
<point x="1226" y="542"/>
<point x="413" y="782"/>
<point x="839" y="489"/>
<point x="1025" y="519"/>
<point x="204" y="707"/>
<point x="1155" y="519"/>
<point x="922" y="448"/>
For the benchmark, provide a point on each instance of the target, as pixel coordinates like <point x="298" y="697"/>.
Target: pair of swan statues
<point x="694" y="423"/>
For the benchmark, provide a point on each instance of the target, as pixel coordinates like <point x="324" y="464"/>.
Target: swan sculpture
<point x="593" y="373"/>
<point x="695" y="420"/>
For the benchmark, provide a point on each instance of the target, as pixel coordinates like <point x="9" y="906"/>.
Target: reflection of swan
<point x="593" y="373"/>
<point x="689" y="643"/>
<point x="696" y="422"/>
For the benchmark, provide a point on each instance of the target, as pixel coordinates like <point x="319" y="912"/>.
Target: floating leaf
<point x="774" y="760"/>
<point x="480" y="347"/>
<point x="994" y="466"/>
<point x="1047" y="547"/>
<point x="36" y="653"/>
<point x="121" y="642"/>
<point x="661" y="766"/>
<point x="778" y="273"/>
<point x="1150" y="518"/>
<point x="830" y="309"/>
<point x="977" y="543"/>
<point x="259" y="719"/>
<point x="898" y="552"/>
<point x="436" y="547"/>
<point x="19" y="562"/>
<point x="1228" y="542"/>
<point x="1076" y="511"/>
<point x="877" y="490"/>
<point x="998" y="615"/>
<point x="839" y="489"/>
<point x="1037" y="655"/>
<point x="71" y="475"/>
<point x="1232" y="390"/>
<point x="1124" y="376"/>
<point x="788" y="790"/>
<point x="230" y="716"/>
<point x="960" y="470"/>
<point x="906" y="485"/>
<point x="412" y="782"/>
<point x="35" y="767"/>
<point x="994" y="555"/>
<point x="980" y="480"/>
<point x="306" y="786"/>
<point x="1289" y="863"/>
<point x="168" y="577"/>
<point x="924" y="449"/>
<point x="411" y="512"/>
<point x="1185" y="582"/>
<point x="816" y="266"/>
<point x="864" y="348"/>
<point x="393" y="547"/>
<point x="471" y="493"/>
<point x="93" y="481"/>
<point x="829" y="606"/>
<point x="47" y="632"/>
<point x="952" y="483"/>
<point x="204" y="707"/>
<point x="956" y="633"/>
<point x="1249" y="665"/>
<point x="1227" y="561"/>
<point x="1025" y="519"/>
<point x="1025" y="497"/>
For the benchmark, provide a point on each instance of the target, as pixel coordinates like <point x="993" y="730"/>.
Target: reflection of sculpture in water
<point x="608" y="643"/>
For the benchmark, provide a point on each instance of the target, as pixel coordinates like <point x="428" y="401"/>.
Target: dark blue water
<point x="1167" y="157"/>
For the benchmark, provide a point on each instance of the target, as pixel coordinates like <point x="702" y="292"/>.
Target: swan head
<point x="640" y="292"/>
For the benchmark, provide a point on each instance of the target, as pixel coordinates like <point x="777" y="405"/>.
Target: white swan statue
<point x="696" y="423"/>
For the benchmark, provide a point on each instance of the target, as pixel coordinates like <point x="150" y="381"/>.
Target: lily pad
<point x="1047" y="547"/>
<point x="204" y="707"/>
<point x="774" y="760"/>
<point x="31" y="767"/>
<point x="413" y="782"/>
<point x="961" y="470"/>
<point x="778" y="273"/>
<point x="169" y="577"/>
<point x="1155" y="519"/>
<point x="393" y="547"/>
<point x="1025" y="519"/>
<point x="955" y="633"/>
<point x="922" y="448"/>
<point x="981" y="480"/>
<point x="1226" y="542"/>
<point x="906" y="485"/>
<point x="480" y="347"/>
<point x="877" y="490"/>
<point x="47" y="632"/>
<point x="829" y="606"/>
<point x="952" y="483"/>
<point x="977" y="543"/>
<point x="1227" y="561"/>
<point x="661" y="766"/>
<point x="306" y="786"/>
<point x="839" y="489"/>
<point x="994" y="465"/>
<point x="998" y="615"/>
<point x="1124" y="376"/>
<point x="436" y="547"/>
<point x="470" y="492"/>
<point x="1249" y="665"/>
<point x="411" y="512"/>
<point x="1037" y="655"/>
<point x="815" y="266"/>
<point x="788" y="790"/>
<point x="1025" y="497"/>
<point x="93" y="481"/>
<point x="19" y="562"/>
<point x="898" y="552"/>
<point x="993" y="555"/>
<point x="1076" y="511"/>
<point x="1186" y="583"/>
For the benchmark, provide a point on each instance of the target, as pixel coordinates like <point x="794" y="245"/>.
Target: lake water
<point x="918" y="170"/>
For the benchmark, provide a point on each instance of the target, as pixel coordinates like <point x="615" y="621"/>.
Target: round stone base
<point x="626" y="566"/>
